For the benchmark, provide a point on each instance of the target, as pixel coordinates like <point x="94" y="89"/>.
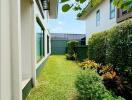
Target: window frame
<point x="112" y="10"/>
<point x="48" y="44"/>
<point x="98" y="17"/>
<point x="42" y="53"/>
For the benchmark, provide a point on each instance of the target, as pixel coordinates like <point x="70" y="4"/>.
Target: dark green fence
<point x="81" y="52"/>
<point x="58" y="47"/>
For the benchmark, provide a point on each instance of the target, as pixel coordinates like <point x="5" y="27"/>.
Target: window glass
<point x="39" y="42"/>
<point x="98" y="18"/>
<point x="112" y="10"/>
<point x="47" y="44"/>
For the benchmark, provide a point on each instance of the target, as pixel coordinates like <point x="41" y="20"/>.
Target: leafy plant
<point x="76" y="5"/>
<point x="71" y="54"/>
<point x="90" y="87"/>
<point x="89" y="64"/>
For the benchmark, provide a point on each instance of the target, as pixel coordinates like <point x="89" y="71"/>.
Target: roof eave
<point x="88" y="10"/>
<point x="53" y="12"/>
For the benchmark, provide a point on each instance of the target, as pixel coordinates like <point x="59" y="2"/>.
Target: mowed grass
<point x="56" y="81"/>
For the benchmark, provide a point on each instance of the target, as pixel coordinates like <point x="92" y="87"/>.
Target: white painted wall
<point x="105" y="21"/>
<point x="17" y="46"/>
<point x="26" y="37"/>
<point x="44" y="23"/>
<point x="5" y="63"/>
<point x="10" y="50"/>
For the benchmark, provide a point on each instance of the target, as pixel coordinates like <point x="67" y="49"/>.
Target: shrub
<point x="71" y="55"/>
<point x="90" y="87"/>
<point x="89" y="64"/>
<point x="111" y="80"/>
<point x="97" y="47"/>
<point x="113" y="46"/>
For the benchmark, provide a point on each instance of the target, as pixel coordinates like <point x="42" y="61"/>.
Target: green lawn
<point x="56" y="81"/>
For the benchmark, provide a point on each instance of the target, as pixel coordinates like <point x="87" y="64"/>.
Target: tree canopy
<point x="76" y="5"/>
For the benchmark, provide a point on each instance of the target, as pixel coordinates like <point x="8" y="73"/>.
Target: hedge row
<point x="113" y="46"/>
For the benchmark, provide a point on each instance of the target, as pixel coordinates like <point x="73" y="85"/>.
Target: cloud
<point x="60" y="22"/>
<point x="57" y="29"/>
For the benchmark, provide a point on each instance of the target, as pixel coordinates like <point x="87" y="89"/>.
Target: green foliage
<point x="71" y="57"/>
<point x="124" y="4"/>
<point x="66" y="7"/>
<point x="64" y="1"/>
<point x="77" y="5"/>
<point x="90" y="87"/>
<point x="114" y="47"/>
<point x="71" y="50"/>
<point x="97" y="47"/>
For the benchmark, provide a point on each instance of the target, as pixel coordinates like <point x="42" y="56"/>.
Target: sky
<point x="66" y="23"/>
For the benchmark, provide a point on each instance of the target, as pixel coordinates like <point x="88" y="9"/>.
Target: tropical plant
<point x="89" y="64"/>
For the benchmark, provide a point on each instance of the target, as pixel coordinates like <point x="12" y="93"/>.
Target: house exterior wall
<point x="5" y="63"/>
<point x="17" y="46"/>
<point x="46" y="32"/>
<point x="105" y="21"/>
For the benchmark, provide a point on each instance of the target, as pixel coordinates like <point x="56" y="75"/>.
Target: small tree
<point x="71" y="49"/>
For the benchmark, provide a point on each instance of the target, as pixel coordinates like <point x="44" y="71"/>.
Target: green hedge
<point x="97" y="47"/>
<point x="113" y="46"/>
<point x="81" y="52"/>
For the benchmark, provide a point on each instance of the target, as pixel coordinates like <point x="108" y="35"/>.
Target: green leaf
<point x="66" y="7"/>
<point x="82" y="1"/>
<point x="63" y="1"/>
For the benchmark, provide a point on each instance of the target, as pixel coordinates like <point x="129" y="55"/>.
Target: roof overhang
<point x="53" y="12"/>
<point x="88" y="9"/>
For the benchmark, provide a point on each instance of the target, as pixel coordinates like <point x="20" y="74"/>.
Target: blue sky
<point x="66" y="23"/>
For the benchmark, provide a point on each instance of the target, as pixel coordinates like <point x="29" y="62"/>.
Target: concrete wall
<point x="105" y="21"/>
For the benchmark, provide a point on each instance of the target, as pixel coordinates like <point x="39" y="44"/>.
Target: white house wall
<point x="44" y="23"/>
<point x="17" y="46"/>
<point x="26" y="38"/>
<point x="105" y="21"/>
<point x="5" y="64"/>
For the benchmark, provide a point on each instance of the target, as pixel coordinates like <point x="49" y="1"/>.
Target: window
<point x="112" y="10"/>
<point x="39" y="41"/>
<point x="124" y="12"/>
<point x="47" y="44"/>
<point x="98" y="18"/>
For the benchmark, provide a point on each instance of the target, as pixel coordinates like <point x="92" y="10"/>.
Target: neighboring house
<point x="103" y="16"/>
<point x="24" y="44"/>
<point x="59" y="41"/>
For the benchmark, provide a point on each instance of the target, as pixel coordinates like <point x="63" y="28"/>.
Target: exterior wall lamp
<point x="45" y="4"/>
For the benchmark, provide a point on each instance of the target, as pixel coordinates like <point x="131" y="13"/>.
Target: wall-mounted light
<point x="45" y="4"/>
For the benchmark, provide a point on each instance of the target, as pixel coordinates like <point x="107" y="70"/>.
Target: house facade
<point x="103" y="16"/>
<point x="24" y="44"/>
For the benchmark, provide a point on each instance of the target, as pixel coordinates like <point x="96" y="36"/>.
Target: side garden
<point x="107" y="71"/>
